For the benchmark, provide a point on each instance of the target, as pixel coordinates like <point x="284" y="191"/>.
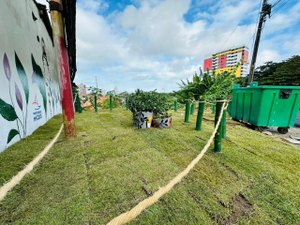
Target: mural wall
<point x="29" y="83"/>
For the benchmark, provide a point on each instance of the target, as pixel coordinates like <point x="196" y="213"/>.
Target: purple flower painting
<point x="6" y="65"/>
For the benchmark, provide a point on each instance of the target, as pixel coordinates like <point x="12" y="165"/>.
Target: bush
<point x="142" y="101"/>
<point x="115" y="103"/>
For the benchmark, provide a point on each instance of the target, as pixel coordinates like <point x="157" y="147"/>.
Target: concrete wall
<point x="29" y="83"/>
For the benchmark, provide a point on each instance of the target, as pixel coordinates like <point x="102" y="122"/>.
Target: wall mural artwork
<point x="29" y="82"/>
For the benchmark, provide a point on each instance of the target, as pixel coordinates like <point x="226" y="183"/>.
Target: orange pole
<point x="64" y="70"/>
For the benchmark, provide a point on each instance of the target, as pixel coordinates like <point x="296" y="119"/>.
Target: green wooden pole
<point x="110" y="102"/>
<point x="192" y="108"/>
<point x="126" y="103"/>
<point x="218" y="136"/>
<point x="200" y="115"/>
<point x="95" y="103"/>
<point x="175" y="106"/>
<point x="213" y="108"/>
<point x="187" y="111"/>
<point x="224" y="124"/>
<point x="78" y="107"/>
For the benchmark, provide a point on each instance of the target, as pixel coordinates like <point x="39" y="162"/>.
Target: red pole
<point x="64" y="70"/>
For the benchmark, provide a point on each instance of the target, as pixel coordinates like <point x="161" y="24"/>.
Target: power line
<point x="231" y="34"/>
<point x="279" y="7"/>
<point x="257" y="20"/>
<point x="265" y="11"/>
<point x="273" y="5"/>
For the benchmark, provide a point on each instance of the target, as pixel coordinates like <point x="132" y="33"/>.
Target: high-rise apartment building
<point x="230" y="60"/>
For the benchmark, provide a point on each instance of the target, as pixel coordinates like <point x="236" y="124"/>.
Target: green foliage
<point x="284" y="73"/>
<point x="221" y="86"/>
<point x="242" y="81"/>
<point x="94" y="91"/>
<point x="210" y="87"/>
<point x="193" y="89"/>
<point x="115" y="102"/>
<point x="148" y="101"/>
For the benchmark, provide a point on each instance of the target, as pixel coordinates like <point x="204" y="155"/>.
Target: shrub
<point x="142" y="101"/>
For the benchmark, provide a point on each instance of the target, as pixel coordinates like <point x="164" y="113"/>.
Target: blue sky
<point x="153" y="44"/>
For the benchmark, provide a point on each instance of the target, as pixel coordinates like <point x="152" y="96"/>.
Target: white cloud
<point x="150" y="45"/>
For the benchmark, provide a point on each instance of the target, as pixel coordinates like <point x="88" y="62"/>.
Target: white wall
<point x="29" y="83"/>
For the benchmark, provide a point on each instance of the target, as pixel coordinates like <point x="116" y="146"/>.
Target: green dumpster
<point x="264" y="106"/>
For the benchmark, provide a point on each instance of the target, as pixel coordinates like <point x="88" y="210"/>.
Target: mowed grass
<point x="110" y="167"/>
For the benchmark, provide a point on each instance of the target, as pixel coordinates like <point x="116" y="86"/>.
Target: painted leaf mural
<point x="22" y="76"/>
<point x="12" y="133"/>
<point x="7" y="111"/>
<point x="38" y="78"/>
<point x="6" y="66"/>
<point x="19" y="97"/>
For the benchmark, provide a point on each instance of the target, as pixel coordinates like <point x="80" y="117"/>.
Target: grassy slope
<point x="110" y="167"/>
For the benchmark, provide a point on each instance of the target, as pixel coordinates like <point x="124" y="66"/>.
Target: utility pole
<point x="58" y="28"/>
<point x="96" y="78"/>
<point x="265" y="10"/>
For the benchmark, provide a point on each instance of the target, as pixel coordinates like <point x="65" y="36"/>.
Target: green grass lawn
<point x="111" y="166"/>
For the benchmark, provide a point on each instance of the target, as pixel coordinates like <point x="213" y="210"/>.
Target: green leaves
<point x="12" y="133"/>
<point x="22" y="76"/>
<point x="210" y="87"/>
<point x="142" y="101"/>
<point x="286" y="72"/>
<point x="7" y="111"/>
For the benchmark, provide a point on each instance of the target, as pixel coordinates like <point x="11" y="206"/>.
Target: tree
<point x="95" y="91"/>
<point x="283" y="73"/>
<point x="210" y="87"/>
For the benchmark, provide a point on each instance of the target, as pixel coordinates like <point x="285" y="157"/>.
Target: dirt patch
<point x="240" y="207"/>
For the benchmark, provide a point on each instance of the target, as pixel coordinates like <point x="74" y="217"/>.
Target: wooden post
<point x="95" y="103"/>
<point x="218" y="136"/>
<point x="175" y="106"/>
<point x="63" y="65"/>
<point x="200" y="115"/>
<point x="187" y="111"/>
<point x="213" y="108"/>
<point x="224" y="124"/>
<point x="110" y="102"/>
<point x="192" y="108"/>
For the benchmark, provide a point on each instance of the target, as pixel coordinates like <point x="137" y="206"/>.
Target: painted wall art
<point x="29" y="81"/>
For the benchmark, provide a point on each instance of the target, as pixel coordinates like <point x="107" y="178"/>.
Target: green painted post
<point x="218" y="136"/>
<point x="78" y="107"/>
<point x="213" y="108"/>
<point x="192" y="108"/>
<point x="187" y="111"/>
<point x="95" y="103"/>
<point x="224" y="124"/>
<point x="175" y="106"/>
<point x="126" y="103"/>
<point x="110" y="102"/>
<point x="200" y="115"/>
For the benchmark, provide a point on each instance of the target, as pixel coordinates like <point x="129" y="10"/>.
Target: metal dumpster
<point x="264" y="106"/>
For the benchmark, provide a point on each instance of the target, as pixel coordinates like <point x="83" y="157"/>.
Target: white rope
<point x="137" y="210"/>
<point x="16" y="179"/>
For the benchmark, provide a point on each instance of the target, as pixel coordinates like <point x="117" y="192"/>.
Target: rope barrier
<point x="17" y="179"/>
<point x="137" y="210"/>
